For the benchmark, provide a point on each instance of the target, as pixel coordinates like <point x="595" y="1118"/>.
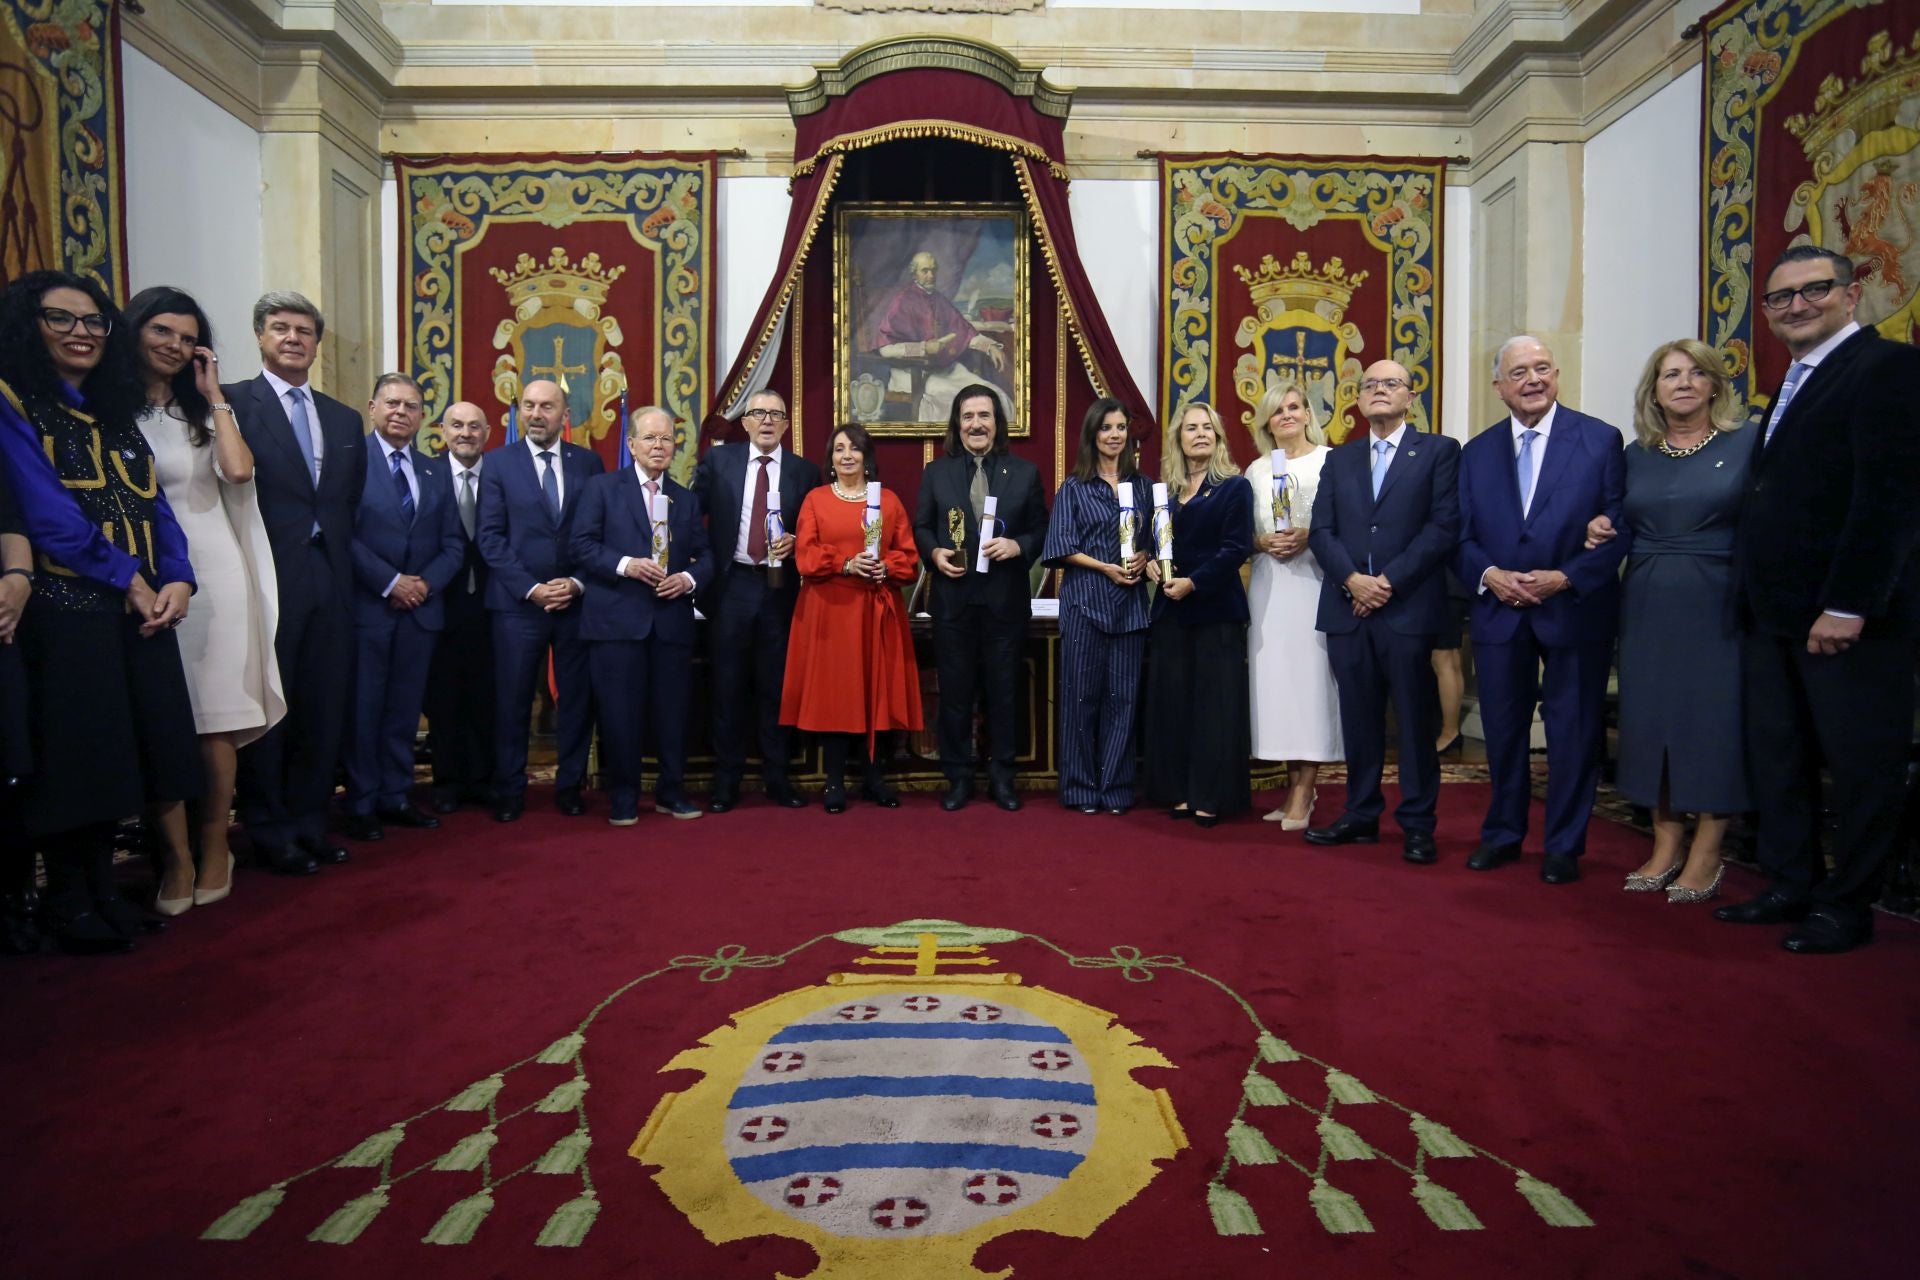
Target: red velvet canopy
<point x="930" y="120"/>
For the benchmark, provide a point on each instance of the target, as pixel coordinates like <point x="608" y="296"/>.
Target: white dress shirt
<point x="645" y="480"/>
<point x="1393" y="451"/>
<point x="740" y="555"/>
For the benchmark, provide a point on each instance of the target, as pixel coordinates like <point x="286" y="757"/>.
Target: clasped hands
<point x="871" y="568"/>
<point x="554" y="594"/>
<point x="1368" y="591"/>
<point x="667" y="586"/>
<point x="1283" y="545"/>
<point x="409" y="591"/>
<point x="157" y="610"/>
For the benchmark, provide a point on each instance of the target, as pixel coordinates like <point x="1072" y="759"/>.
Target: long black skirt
<point x="111" y="720"/>
<point x="1198" y="735"/>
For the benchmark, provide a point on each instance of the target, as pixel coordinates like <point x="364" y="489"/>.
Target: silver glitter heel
<point x="1637" y="883"/>
<point x="1679" y="894"/>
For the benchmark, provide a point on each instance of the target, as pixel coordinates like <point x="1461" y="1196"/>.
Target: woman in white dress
<point x="1296" y="709"/>
<point x="226" y="641"/>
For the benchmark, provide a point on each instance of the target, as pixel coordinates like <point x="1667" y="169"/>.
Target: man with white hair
<point x="921" y="324"/>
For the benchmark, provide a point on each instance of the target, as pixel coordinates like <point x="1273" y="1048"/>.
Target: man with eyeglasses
<point x="309" y="469"/>
<point x="1545" y="607"/>
<point x="1828" y="596"/>
<point x="1384" y="525"/>
<point x="748" y="604"/>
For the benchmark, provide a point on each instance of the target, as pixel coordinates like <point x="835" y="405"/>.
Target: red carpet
<point x="1714" y="1106"/>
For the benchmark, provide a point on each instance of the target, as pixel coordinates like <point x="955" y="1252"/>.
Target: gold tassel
<point x="373" y="1152"/>
<point x="477" y="1096"/>
<point x="563" y="1049"/>
<point x="468" y="1152"/>
<point x="1551" y="1203"/>
<point x="461" y="1220"/>
<point x="1344" y="1088"/>
<point x="1274" y="1049"/>
<point x="238" y="1222"/>
<point x="1262" y="1092"/>
<point x="570" y="1222"/>
<point x="1439" y="1141"/>
<point x="1448" y="1211"/>
<point x="1232" y="1215"/>
<point x="1339" y="1212"/>
<point x="1248" y="1145"/>
<point x="1342" y="1142"/>
<point x="344" y="1225"/>
<point x="565" y="1096"/>
<point x="565" y="1155"/>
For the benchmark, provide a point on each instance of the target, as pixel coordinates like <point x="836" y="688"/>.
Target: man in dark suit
<point x="1385" y="523"/>
<point x="748" y="616"/>
<point x="460" y="679"/>
<point x="979" y="618"/>
<point x="637" y="621"/>
<point x="528" y="495"/>
<point x="308" y="470"/>
<point x="1528" y="487"/>
<point x="1828" y="595"/>
<point x="406" y="549"/>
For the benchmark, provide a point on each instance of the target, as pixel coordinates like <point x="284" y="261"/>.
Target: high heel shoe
<point x="207" y="897"/>
<point x="880" y="793"/>
<point x="1679" y="894"/>
<point x="174" y="906"/>
<point x="1294" y="824"/>
<point x="1455" y="746"/>
<point x="1638" y="883"/>
<point x="835" y="799"/>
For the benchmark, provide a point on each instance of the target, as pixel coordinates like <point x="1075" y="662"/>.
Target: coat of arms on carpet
<point x="916" y="1101"/>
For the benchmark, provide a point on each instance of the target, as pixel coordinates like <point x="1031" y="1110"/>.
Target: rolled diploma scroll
<point x="1282" y="508"/>
<point x="776" y="530"/>
<point x="1126" y="523"/>
<point x="980" y="562"/>
<point x="1162" y="533"/>
<point x="870" y="523"/>
<point x="660" y="538"/>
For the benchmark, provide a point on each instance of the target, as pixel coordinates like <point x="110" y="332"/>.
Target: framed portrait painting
<point x="928" y="299"/>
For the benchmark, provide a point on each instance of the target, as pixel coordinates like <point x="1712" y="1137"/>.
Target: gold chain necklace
<point x="1672" y="452"/>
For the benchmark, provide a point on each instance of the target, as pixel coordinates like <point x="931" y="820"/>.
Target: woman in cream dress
<point x="226" y="641"/>
<point x="1296" y="709"/>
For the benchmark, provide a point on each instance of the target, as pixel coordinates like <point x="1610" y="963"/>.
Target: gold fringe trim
<point x="930" y="129"/>
<point x="779" y="308"/>
<point x="1059" y="282"/>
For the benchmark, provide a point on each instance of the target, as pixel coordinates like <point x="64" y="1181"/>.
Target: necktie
<point x="303" y="430"/>
<point x="1525" y="465"/>
<point x="757" y="516"/>
<point x="550" y="485"/>
<point x="401" y="488"/>
<point x="977" y="492"/>
<point x="467" y="501"/>
<point x="1380" y="450"/>
<point x="1795" y="376"/>
<point x="653" y="494"/>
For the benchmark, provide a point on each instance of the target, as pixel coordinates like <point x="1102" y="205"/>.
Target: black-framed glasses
<point x="766" y="415"/>
<point x="1383" y="384"/>
<point x="61" y="320"/>
<point x="1813" y="291"/>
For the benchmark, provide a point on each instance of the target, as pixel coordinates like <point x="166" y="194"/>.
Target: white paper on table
<point x="1046" y="608"/>
<point x="981" y="563"/>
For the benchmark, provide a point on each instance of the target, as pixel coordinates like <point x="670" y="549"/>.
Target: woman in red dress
<point x="850" y="669"/>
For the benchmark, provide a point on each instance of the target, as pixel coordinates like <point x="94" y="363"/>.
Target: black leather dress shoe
<point x="957" y="796"/>
<point x="408" y="816"/>
<point x="1489" y="856"/>
<point x="1420" y="848"/>
<point x="1005" y="796"/>
<point x="835" y="799"/>
<point x="568" y="801"/>
<point x="508" y="810"/>
<point x="445" y="800"/>
<point x="364" y="826"/>
<point x="289" y="861"/>
<point x="787" y="797"/>
<point x="1768" y="907"/>
<point x="1345" y="830"/>
<point x="1828" y="931"/>
<point x="327" y="855"/>
<point x="722" y="801"/>
<point x="1559" y="870"/>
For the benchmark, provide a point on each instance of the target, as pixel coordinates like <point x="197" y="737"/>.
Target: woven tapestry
<point x="62" y="184"/>
<point x="595" y="272"/>
<point x="1294" y="268"/>
<point x="1812" y="137"/>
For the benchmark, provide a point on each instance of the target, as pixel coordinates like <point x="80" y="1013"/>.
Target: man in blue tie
<point x="407" y="547"/>
<point x="1528" y="487"/>
<point x="1384" y="525"/>
<point x="528" y="494"/>
<point x="1828" y="595"/>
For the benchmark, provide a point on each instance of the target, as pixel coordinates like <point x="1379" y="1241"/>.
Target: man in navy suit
<point x="1385" y="522"/>
<point x="1528" y="487"/>
<point x="637" y="620"/>
<point x="528" y="495"/>
<point x="406" y="549"/>
<point x="460" y="679"/>
<point x="1828" y="591"/>
<point x="748" y="616"/>
<point x="308" y="469"/>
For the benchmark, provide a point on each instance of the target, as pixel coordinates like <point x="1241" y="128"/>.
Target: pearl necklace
<point x="1688" y="452"/>
<point x="858" y="497"/>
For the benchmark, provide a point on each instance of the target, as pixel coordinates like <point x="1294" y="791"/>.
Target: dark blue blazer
<point x="612" y="524"/>
<point x="1408" y="535"/>
<point x="1583" y="474"/>
<point x="523" y="545"/>
<point x="386" y="543"/>
<point x="290" y="503"/>
<point x="1212" y="538"/>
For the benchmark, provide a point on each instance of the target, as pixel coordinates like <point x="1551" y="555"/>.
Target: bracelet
<point x="25" y="573"/>
<point x="220" y="408"/>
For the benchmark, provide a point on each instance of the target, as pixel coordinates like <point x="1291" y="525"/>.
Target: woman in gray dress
<point x="1680" y="723"/>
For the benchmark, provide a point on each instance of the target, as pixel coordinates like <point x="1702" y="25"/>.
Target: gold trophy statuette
<point x="957" y="528"/>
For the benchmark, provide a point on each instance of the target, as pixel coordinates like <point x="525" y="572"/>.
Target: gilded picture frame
<point x="928" y="298"/>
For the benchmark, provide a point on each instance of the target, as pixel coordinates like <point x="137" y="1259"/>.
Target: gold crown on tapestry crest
<point x="558" y="279"/>
<point x="1299" y="286"/>
<point x="1889" y="78"/>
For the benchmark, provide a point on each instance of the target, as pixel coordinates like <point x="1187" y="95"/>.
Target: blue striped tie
<point x="400" y="485"/>
<point x="1795" y="376"/>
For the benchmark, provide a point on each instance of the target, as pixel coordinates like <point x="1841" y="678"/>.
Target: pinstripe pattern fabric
<point x="1086" y="521"/>
<point x="1099" y="687"/>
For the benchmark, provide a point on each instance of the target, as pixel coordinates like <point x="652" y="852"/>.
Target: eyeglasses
<point x="61" y="321"/>
<point x="766" y="415"/>
<point x="1781" y="299"/>
<point x="1384" y="384"/>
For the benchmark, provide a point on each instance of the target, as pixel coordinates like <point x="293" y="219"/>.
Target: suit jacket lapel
<point x="1403" y="459"/>
<point x="1561" y="446"/>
